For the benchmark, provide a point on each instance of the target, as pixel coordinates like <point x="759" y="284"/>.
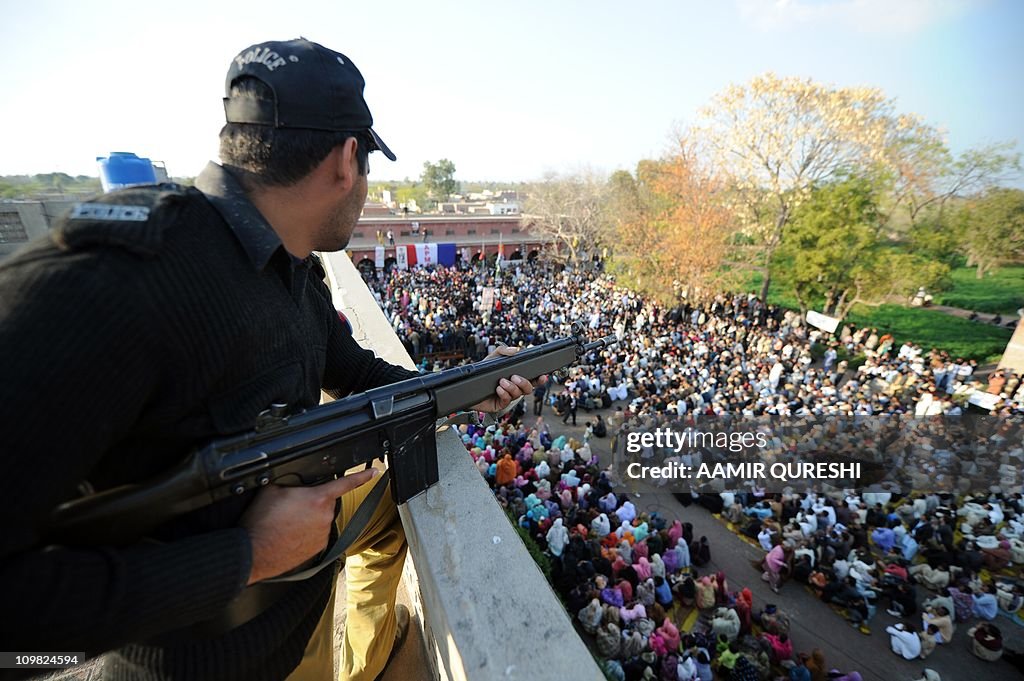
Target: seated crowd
<point x="861" y="551"/>
<point x="639" y="585"/>
<point x="641" y="588"/>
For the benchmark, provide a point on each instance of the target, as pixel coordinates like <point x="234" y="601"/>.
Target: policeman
<point x="155" y="319"/>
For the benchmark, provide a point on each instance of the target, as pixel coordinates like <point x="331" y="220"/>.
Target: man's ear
<point x="345" y="163"/>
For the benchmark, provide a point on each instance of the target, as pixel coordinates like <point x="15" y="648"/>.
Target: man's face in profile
<point x="337" y="231"/>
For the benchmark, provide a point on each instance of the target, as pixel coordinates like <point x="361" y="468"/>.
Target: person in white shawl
<point x="904" y="641"/>
<point x="726" y="623"/>
<point x="626" y="513"/>
<point x="601" y="525"/>
<point x="682" y="553"/>
<point x="557" y="538"/>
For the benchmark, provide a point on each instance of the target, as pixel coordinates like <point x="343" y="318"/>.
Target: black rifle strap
<point x="355" y="527"/>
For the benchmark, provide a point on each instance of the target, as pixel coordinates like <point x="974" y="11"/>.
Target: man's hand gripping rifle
<point x="312" y="447"/>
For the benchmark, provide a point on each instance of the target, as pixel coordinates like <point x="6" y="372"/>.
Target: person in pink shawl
<point x="674" y="534"/>
<point x="775" y="563"/>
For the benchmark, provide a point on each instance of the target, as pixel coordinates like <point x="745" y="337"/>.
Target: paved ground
<point x="814" y="624"/>
<point x="983" y="317"/>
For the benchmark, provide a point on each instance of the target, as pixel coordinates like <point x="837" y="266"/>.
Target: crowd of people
<point x="860" y="552"/>
<point x="635" y="581"/>
<point x="728" y="354"/>
<point x="637" y="585"/>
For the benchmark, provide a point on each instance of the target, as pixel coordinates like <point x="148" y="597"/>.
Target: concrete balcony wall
<point x="487" y="611"/>
<point x="1013" y="357"/>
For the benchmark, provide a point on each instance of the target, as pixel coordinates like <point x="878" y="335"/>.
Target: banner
<point x="426" y="254"/>
<point x="402" y="257"/>
<point x="446" y="254"/>
<point x="378" y="257"/>
<point x="823" y="322"/>
<point x="487" y="302"/>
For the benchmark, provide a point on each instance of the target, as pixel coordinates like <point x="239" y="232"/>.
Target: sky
<point x="507" y="91"/>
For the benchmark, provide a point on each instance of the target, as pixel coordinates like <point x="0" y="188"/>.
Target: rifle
<point x="311" y="447"/>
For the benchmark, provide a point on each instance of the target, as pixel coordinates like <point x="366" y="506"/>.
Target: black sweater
<point x="123" y="345"/>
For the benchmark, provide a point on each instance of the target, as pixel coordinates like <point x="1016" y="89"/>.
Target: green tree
<point x="835" y="255"/>
<point x="994" y="229"/>
<point x="412" y="192"/>
<point x="937" y="233"/>
<point x="778" y="138"/>
<point x="439" y="179"/>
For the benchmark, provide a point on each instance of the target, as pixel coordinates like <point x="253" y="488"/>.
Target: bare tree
<point x="570" y="209"/>
<point x="927" y="176"/>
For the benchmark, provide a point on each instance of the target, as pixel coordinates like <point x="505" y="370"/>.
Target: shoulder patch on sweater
<point x="133" y="219"/>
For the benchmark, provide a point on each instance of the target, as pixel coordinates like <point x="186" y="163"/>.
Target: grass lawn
<point x="928" y="328"/>
<point x="1001" y="291"/>
<point x="932" y="329"/>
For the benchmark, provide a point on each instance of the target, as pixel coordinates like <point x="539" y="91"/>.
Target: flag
<point x="426" y="254"/>
<point x="378" y="257"/>
<point x="446" y="254"/>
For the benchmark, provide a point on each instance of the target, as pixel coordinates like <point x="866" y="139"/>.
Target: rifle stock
<point x="310" y="447"/>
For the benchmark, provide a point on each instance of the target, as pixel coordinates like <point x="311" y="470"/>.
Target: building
<point x="476" y="236"/>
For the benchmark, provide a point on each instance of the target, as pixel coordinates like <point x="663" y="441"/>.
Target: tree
<point x="570" y="209"/>
<point x="414" y="192"/>
<point x="439" y="179"/>
<point x="674" y="226"/>
<point x="777" y="138"/>
<point x="994" y="232"/>
<point x="837" y="256"/>
<point x="937" y="232"/>
<point x="926" y="176"/>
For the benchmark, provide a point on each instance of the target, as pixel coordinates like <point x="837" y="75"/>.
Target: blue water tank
<point x="124" y="169"/>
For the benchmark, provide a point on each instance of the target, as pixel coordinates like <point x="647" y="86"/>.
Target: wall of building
<point x="20" y="222"/>
<point x="442" y="229"/>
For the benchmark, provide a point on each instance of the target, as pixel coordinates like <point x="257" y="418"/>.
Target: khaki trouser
<point x="373" y="568"/>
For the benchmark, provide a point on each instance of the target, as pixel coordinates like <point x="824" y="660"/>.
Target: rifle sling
<point x="259" y="597"/>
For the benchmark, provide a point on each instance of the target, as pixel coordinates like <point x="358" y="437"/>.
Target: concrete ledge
<point x="487" y="609"/>
<point x="487" y="606"/>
